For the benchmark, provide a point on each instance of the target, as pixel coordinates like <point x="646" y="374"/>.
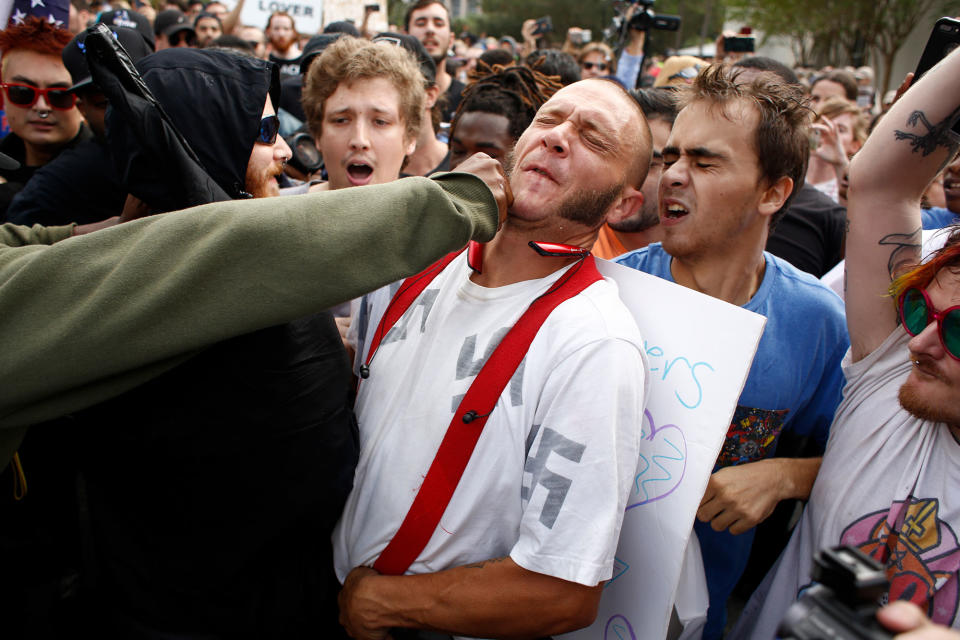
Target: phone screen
<point x="738" y="44"/>
<point x="944" y="38"/>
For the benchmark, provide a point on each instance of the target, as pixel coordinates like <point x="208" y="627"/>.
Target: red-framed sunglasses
<point x="25" y="95"/>
<point x="916" y="313"/>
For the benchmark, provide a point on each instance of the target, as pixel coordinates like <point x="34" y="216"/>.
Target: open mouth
<point x="540" y="172"/>
<point x="675" y="211"/>
<point x="359" y="171"/>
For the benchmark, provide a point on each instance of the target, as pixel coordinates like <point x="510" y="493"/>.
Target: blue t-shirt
<point x="937" y="218"/>
<point x="795" y="384"/>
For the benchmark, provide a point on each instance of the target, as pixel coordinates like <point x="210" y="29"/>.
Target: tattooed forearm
<point x="484" y="563"/>
<point x="938" y="135"/>
<point x="905" y="252"/>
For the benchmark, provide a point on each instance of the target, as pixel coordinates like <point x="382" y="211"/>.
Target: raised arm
<point x="90" y="317"/>
<point x="232" y="19"/>
<point x="909" y="147"/>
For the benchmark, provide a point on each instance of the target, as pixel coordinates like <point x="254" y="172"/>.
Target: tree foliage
<point x="840" y="32"/>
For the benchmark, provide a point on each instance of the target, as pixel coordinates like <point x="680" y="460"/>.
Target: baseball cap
<point x="129" y="20"/>
<point x="75" y="60"/>
<point x="427" y="66"/>
<point x="678" y="71"/>
<point x="314" y="47"/>
<point x="171" y="21"/>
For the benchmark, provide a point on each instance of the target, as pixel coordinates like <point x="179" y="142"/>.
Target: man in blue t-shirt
<point x="734" y="156"/>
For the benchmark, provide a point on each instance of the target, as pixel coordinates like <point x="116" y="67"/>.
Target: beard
<point x="263" y="184"/>
<point x="917" y="404"/>
<point x="282" y="44"/>
<point x="647" y="217"/>
<point x="588" y="207"/>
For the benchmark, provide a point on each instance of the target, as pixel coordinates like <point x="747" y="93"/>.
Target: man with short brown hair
<point x="363" y="101"/>
<point x="429" y="22"/>
<point x="735" y="156"/>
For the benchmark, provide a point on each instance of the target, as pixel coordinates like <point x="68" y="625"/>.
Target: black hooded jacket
<point x="215" y="100"/>
<point x="213" y="490"/>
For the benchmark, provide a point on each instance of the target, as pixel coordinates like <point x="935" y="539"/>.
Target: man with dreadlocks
<point x="888" y="482"/>
<point x="495" y="109"/>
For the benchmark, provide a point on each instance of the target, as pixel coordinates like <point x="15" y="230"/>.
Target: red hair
<point x="35" y="34"/>
<point x="946" y="258"/>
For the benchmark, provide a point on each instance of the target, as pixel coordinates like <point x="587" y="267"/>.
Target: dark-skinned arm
<point x="492" y="599"/>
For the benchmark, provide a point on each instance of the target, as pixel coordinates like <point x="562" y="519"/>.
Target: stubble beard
<point x="588" y="207"/>
<point x="645" y="219"/>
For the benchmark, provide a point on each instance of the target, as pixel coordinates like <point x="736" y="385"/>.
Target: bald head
<point x="634" y="135"/>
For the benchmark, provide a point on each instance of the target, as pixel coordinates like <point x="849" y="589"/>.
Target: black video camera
<point x="843" y="606"/>
<point x="645" y="19"/>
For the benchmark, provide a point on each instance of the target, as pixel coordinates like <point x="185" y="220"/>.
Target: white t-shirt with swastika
<point x="549" y="478"/>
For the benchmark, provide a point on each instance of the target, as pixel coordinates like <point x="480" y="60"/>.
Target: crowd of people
<point x="242" y="397"/>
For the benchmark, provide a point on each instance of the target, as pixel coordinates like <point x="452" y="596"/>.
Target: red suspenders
<point x="464" y="431"/>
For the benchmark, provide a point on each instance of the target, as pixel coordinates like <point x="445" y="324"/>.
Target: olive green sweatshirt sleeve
<point x="12" y="235"/>
<point x="92" y="316"/>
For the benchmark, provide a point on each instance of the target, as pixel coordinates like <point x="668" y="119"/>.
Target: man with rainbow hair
<point x="888" y="480"/>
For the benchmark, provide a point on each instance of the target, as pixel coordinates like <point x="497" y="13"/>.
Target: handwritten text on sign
<point x="699" y="351"/>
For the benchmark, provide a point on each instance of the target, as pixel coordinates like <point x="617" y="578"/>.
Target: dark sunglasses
<point x="916" y="313"/>
<point x="188" y="36"/>
<point x="25" y="95"/>
<point x="602" y="66"/>
<point x="269" y="127"/>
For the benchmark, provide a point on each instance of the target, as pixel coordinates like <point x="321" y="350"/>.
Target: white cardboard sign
<point x="307" y="14"/>
<point x="699" y="350"/>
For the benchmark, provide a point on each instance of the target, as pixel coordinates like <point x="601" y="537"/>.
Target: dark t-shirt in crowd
<point x="454" y="91"/>
<point x="288" y="67"/>
<point x="13" y="146"/>
<point x="810" y="234"/>
<point x="79" y="185"/>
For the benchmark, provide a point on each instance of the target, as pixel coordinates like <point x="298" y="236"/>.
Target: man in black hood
<point x="212" y="490"/>
<point x="223" y="103"/>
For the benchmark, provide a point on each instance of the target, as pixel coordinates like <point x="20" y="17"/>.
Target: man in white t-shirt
<point x="530" y="532"/>
<point x="888" y="482"/>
